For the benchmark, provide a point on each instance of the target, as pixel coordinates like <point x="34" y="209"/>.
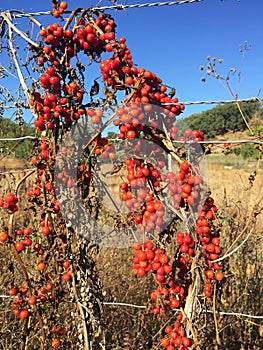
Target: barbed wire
<point x="186" y="103"/>
<point x="219" y="142"/>
<point x="219" y="102"/>
<point x="19" y="138"/>
<point x="215" y="142"/>
<point x="112" y="7"/>
<point x="209" y="311"/>
<point x="223" y="313"/>
<point x="16" y="171"/>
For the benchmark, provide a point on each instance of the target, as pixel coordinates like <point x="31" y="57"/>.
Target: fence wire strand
<point x="215" y="142"/>
<point x="112" y="7"/>
<point x="218" y="102"/>
<point x="27" y="137"/>
<point x="223" y="313"/>
<point x="186" y="103"/>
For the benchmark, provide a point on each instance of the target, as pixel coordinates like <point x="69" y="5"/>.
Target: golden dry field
<point x="236" y="183"/>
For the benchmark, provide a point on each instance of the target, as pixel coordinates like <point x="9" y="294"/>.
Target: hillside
<point x="17" y="149"/>
<point x="226" y="118"/>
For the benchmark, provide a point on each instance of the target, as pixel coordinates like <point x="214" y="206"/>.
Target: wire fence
<point x="222" y="313"/>
<point x="218" y="102"/>
<point x="27" y="137"/>
<point x="186" y="103"/>
<point x="205" y="102"/>
<point x="215" y="142"/>
<point x="19" y="14"/>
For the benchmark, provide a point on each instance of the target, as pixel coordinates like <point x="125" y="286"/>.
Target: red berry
<point x="23" y="314"/>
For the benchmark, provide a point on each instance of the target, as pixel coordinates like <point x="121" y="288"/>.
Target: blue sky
<point x="174" y="41"/>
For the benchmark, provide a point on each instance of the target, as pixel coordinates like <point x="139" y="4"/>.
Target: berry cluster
<point x="63" y="99"/>
<point x="184" y="186"/>
<point x="169" y="294"/>
<point x="146" y="211"/>
<point x="59" y="8"/>
<point x="9" y="202"/>
<point x="176" y="338"/>
<point x="148" y="258"/>
<point x="210" y="241"/>
<point x="26" y="242"/>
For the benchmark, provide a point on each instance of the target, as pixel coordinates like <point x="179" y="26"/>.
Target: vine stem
<point x="7" y="18"/>
<point x="243" y="116"/>
<point x="215" y="319"/>
<point x="14" y="56"/>
<point x="22" y="265"/>
<point x="228" y="89"/>
<point x="80" y="307"/>
<point x="234" y="250"/>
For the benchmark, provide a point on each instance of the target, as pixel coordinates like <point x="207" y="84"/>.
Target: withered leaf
<point x="95" y="88"/>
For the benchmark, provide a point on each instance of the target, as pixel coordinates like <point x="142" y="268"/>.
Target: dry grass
<point x="236" y="183"/>
<point x="10" y="163"/>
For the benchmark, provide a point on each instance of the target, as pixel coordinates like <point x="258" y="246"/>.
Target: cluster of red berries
<point x="58" y="331"/>
<point x="102" y="147"/>
<point x="192" y="135"/>
<point x="66" y="275"/>
<point x="36" y="190"/>
<point x="146" y="211"/>
<point x="184" y="186"/>
<point x="150" y="90"/>
<point x="63" y="100"/>
<point x="149" y="258"/>
<point x="24" y="299"/>
<point x="176" y="338"/>
<point x="210" y="242"/>
<point x="169" y="294"/>
<point x="167" y="297"/>
<point x="20" y="245"/>
<point x="9" y="202"/>
<point x="65" y="177"/>
<point x="58" y="9"/>
<point x="43" y="154"/>
<point x="136" y="118"/>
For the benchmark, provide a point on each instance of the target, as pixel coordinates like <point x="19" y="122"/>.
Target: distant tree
<point x="223" y="118"/>
<point x="112" y="135"/>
